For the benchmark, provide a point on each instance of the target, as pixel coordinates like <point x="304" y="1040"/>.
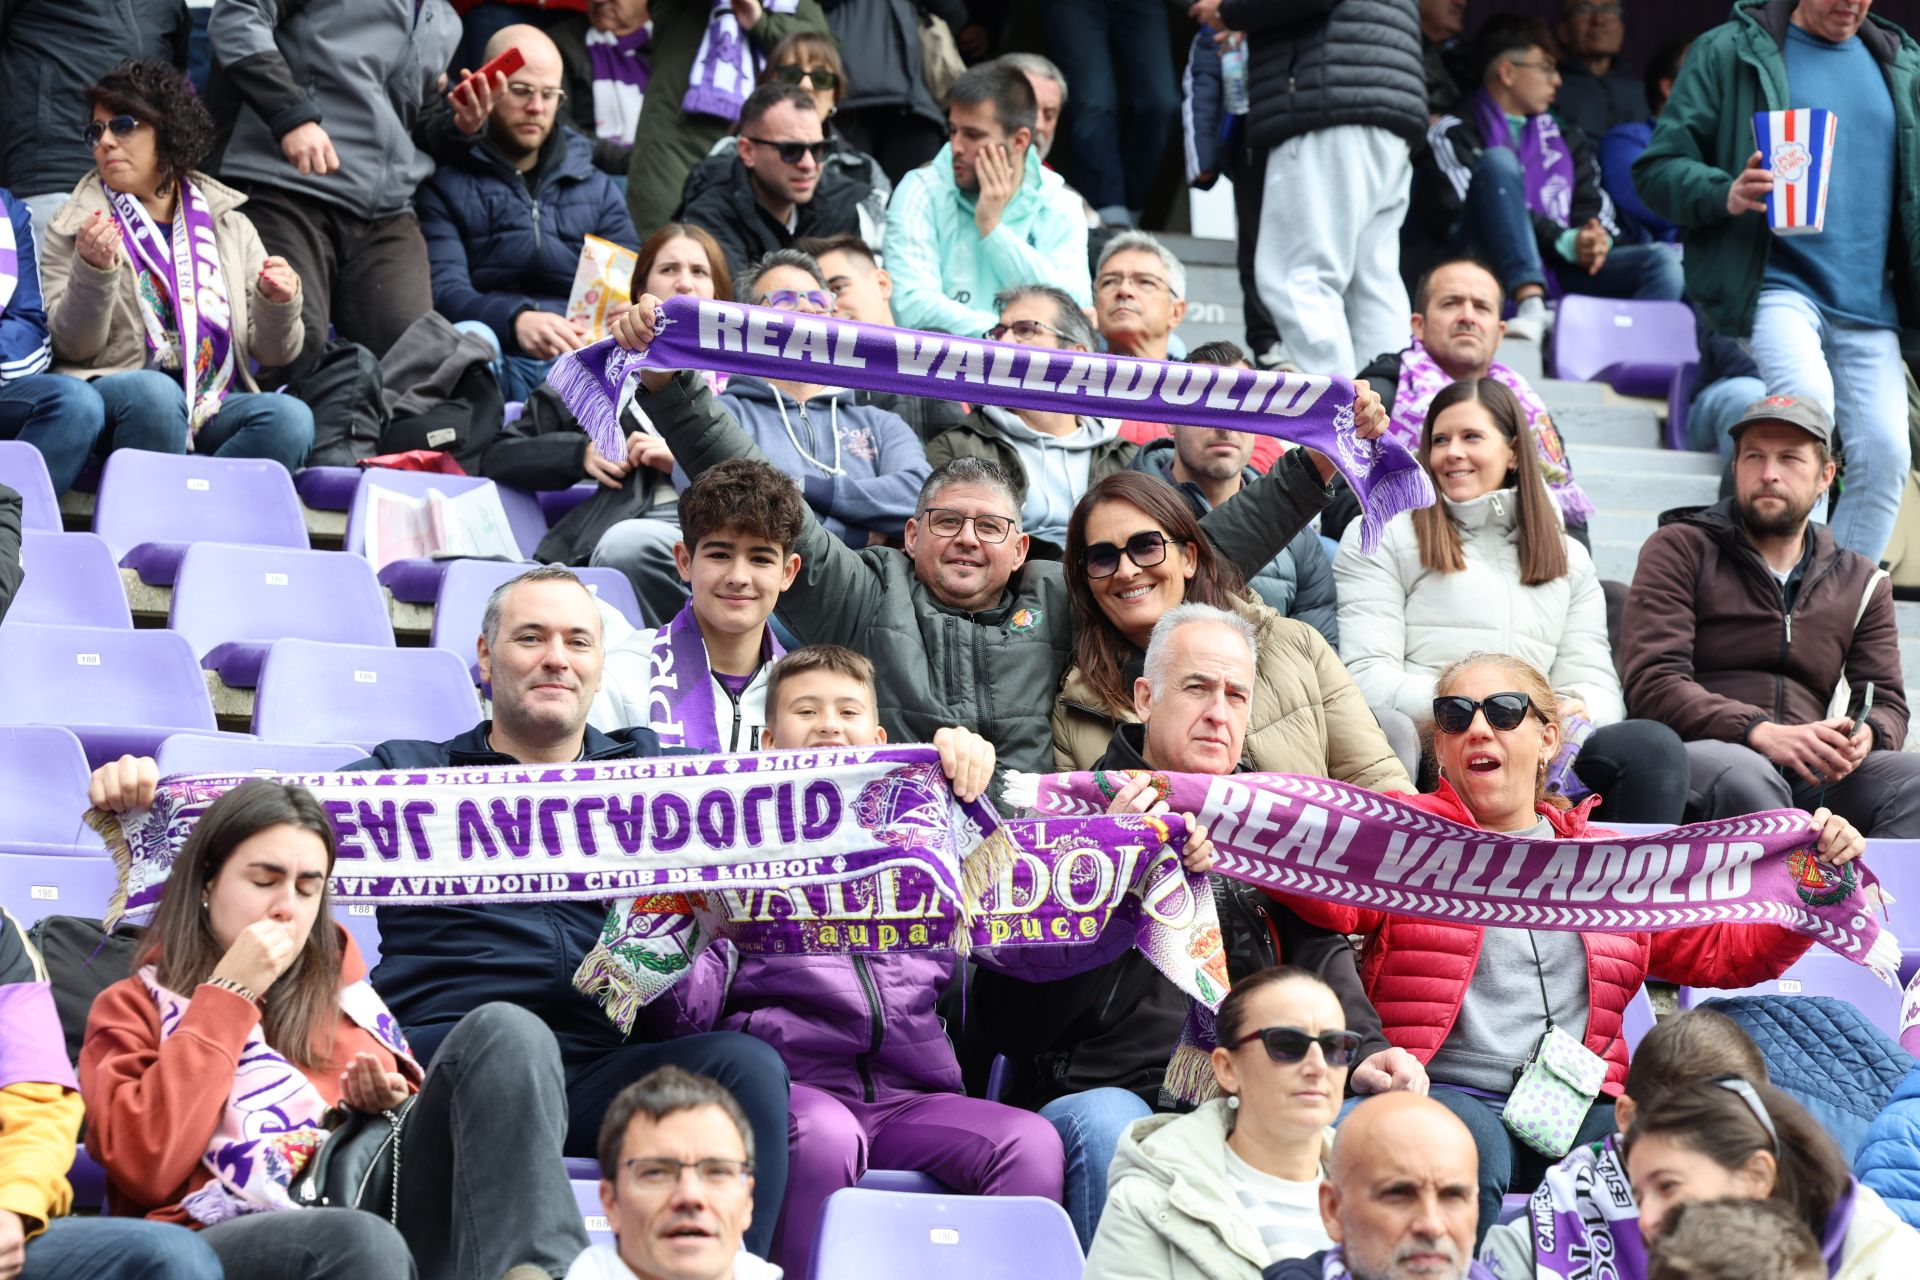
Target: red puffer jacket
<point x="1417" y="971"/>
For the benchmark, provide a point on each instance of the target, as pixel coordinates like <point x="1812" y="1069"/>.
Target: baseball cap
<point x="1794" y="411"/>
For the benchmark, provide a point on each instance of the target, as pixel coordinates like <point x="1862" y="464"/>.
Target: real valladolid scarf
<point x="1546" y="162"/>
<point x="724" y="68"/>
<point x="691" y="333"/>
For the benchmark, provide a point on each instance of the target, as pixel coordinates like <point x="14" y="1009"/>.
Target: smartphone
<point x="506" y="64"/>
<point x="1860" y="724"/>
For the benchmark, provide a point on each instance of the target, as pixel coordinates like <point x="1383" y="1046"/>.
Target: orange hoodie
<point x="153" y="1105"/>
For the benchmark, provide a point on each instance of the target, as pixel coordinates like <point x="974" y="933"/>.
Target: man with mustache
<point x="1769" y="647"/>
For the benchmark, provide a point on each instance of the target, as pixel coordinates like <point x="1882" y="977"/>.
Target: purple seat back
<point x="119" y="691"/>
<point x="152" y="505"/>
<point x="1680" y="404"/>
<point x="905" y="1181"/>
<point x="360" y="921"/>
<point x="1638" y="1019"/>
<point x="327" y="488"/>
<point x="586" y="1196"/>
<point x="522" y="508"/>
<point x="555" y="503"/>
<point x="232" y="602"/>
<point x="43" y="792"/>
<point x="24" y="468"/>
<point x="1632" y="345"/>
<point x="311" y="691"/>
<point x="934" y="1237"/>
<point x="34" y="886"/>
<point x="1821" y="972"/>
<point x="223" y="752"/>
<point x="71" y="581"/>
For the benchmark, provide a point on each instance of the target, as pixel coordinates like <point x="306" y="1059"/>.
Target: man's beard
<point x="508" y="143"/>
<point x="1788" y="521"/>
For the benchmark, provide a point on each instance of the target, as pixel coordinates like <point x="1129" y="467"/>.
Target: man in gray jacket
<point x="332" y="113"/>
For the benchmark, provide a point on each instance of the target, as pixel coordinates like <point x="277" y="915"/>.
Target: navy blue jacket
<point x="501" y="242"/>
<point x="438" y="964"/>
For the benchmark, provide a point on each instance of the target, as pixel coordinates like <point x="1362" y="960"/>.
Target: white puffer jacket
<point x="1401" y="623"/>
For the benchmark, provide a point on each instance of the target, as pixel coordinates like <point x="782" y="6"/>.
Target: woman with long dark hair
<point x="1489" y="567"/>
<point x="210" y="1074"/>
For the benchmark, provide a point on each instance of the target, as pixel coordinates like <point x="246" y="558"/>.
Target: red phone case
<point x="506" y="64"/>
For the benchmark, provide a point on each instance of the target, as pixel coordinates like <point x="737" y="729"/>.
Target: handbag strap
<point x="1540" y="974"/>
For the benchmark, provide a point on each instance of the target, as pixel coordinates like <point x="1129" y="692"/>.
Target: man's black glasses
<point x="1290" y="1044"/>
<point x="1146" y="549"/>
<point x="1454" y="712"/>
<point x="790" y="152"/>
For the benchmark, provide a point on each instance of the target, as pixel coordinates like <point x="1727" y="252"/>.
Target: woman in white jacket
<point x="1489" y="568"/>
<point x="1230" y="1189"/>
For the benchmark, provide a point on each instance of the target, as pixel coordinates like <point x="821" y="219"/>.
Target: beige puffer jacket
<point x="94" y="315"/>
<point x="1308" y="717"/>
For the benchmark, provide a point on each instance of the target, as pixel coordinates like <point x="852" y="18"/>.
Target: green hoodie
<point x="1705" y="135"/>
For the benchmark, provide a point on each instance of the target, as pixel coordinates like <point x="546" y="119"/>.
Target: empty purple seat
<point x="418" y="581"/>
<point x="89" y="1183"/>
<point x="933" y="1237"/>
<point x="1821" y="972"/>
<point x="71" y="581"/>
<point x="327" y="488"/>
<point x="232" y="602"/>
<point x="152" y="506"/>
<point x="360" y="921"/>
<point x="34" y="886"/>
<point x="23" y="468"/>
<point x="311" y="691"/>
<point x="461" y="601"/>
<point x="1631" y="345"/>
<point x="226" y="752"/>
<point x="586" y="1195"/>
<point x="555" y="503"/>
<point x="43" y="792"/>
<point x="1680" y="404"/>
<point x="120" y="692"/>
<point x="909" y="1182"/>
<point x="1638" y="1019"/>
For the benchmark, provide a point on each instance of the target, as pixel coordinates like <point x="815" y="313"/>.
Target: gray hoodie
<point x="1058" y="468"/>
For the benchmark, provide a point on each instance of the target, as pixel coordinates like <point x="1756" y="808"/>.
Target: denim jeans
<point x="144" y="410"/>
<point x="148" y="410"/>
<point x="517" y="375"/>
<point x="1717" y="406"/>
<point x="1090" y="1125"/>
<point x="61" y="417"/>
<point x="118" y="1249"/>
<point x="1856" y="375"/>
<point x="1117" y="61"/>
<point x="313" y="1244"/>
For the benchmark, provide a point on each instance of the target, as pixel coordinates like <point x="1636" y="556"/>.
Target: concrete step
<point x="1559" y="393"/>
<point x="1906" y="614"/>
<point x="1614" y="559"/>
<point x="1648" y="491"/>
<point x="1599" y="458"/>
<point x="1909" y="660"/>
<point x="1589" y="424"/>
<point x="1629" y="527"/>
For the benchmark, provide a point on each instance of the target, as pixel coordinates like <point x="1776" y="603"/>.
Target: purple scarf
<point x="1546" y="162"/>
<point x="1584" y="1220"/>
<point x="621" y="70"/>
<point x="1422" y="378"/>
<point x="32" y="1050"/>
<point x="183" y="296"/>
<point x="9" y="258"/>
<point x="690" y="333"/>
<point x="680" y="706"/>
<point x="726" y="65"/>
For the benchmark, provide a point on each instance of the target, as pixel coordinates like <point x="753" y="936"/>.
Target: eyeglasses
<point x="1147" y="286"/>
<point x="1545" y="66"/>
<point x="97" y="129"/>
<point x="789" y="299"/>
<point x="1290" y="1044"/>
<point x="520" y="91"/>
<point x="818" y="77"/>
<point x="1146" y="549"/>
<point x="663" y="1174"/>
<point x="945" y="522"/>
<point x="790" y="152"/>
<point x="1454" y="712"/>
<point x="1751" y="1096"/>
<point x="1023" y="330"/>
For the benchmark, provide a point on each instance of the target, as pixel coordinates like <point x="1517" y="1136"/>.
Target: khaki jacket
<point x="1308" y="715"/>
<point x="94" y="315"/>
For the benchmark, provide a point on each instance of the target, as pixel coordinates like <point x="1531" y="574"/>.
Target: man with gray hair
<point x="1050" y="456"/>
<point x="1049" y="95"/>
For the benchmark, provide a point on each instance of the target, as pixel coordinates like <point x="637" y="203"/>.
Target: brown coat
<point x="1308" y="716"/>
<point x="94" y="315"/>
<point x="1708" y="649"/>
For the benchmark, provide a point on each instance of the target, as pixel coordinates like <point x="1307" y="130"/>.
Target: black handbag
<point x="358" y="1166"/>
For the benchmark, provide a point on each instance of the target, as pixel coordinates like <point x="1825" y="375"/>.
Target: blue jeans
<point x="1090" y="1125"/>
<point x="1114" y="52"/>
<point x="517" y="375"/>
<point x="118" y="1249"/>
<point x="1856" y="375"/>
<point x="148" y="410"/>
<point x="1717" y="406"/>
<point x="61" y="417"/>
<point x="1506" y="1163"/>
<point x="1497" y="223"/>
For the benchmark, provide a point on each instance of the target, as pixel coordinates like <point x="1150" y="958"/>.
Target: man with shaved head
<point x="1401" y="1198"/>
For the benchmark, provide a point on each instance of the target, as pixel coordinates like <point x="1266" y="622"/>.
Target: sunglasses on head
<point x="1454" y="712"/>
<point x="790" y="152"/>
<point x="819" y="77"/>
<point x="1146" y="549"/>
<point x="1290" y="1044"/>
<point x="788" y="299"/>
<point x="97" y="129"/>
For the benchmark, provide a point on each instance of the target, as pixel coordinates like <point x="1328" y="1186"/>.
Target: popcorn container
<point x="603" y="279"/>
<point x="1798" y="147"/>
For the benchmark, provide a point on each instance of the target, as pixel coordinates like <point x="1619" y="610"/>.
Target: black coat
<point x="1316" y="64"/>
<point x="719" y="198"/>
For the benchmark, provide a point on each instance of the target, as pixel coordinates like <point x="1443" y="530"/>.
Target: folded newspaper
<point x="438" y="526"/>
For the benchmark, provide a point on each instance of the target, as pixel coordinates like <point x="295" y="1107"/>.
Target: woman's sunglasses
<point x="1290" y="1044"/>
<point x="820" y="77"/>
<point x="97" y="129"/>
<point x="1454" y="712"/>
<point x="1146" y="549"/>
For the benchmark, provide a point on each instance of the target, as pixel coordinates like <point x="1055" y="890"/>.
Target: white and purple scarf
<point x="272" y="1125"/>
<point x="726" y="66"/>
<point x="1584" y="1221"/>
<point x="1546" y="162"/>
<point x="621" y="69"/>
<point x="183" y="296"/>
<point x="1422" y="378"/>
<point x="9" y="258"/>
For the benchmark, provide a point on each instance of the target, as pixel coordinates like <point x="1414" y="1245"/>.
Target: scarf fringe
<point x="603" y="977"/>
<point x="1190" y="1080"/>
<point x="592" y="396"/>
<point x="1389" y="493"/>
<point x="108" y="826"/>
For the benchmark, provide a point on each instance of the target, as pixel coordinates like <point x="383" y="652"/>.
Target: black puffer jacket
<point x="1315" y="64"/>
<point x="719" y="199"/>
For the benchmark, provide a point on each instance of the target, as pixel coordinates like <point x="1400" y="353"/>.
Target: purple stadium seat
<point x="71" y="581"/>
<point x="586" y="1194"/>
<point x="931" y="1237"/>
<point x="1639" y="1019"/>
<point x="43" y="792"/>
<point x="119" y="691"/>
<point x="33" y="886"/>
<point x="462" y="600"/>
<point x="232" y="603"/>
<point x="359" y="920"/>
<point x="311" y="691"/>
<point x="153" y="505"/>
<point x="23" y="468"/>
<point x="1821" y="972"/>
<point x="89" y="1182"/>
<point x="417" y="581"/>
<point x="1679" y="404"/>
<point x="1631" y="345"/>
<point x="910" y="1182"/>
<point x="327" y="488"/>
<point x="555" y="503"/>
<point x="227" y="752"/>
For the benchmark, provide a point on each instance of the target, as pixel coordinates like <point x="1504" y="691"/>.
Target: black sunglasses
<point x="793" y="73"/>
<point x="1290" y="1044"/>
<point x="1454" y="712"/>
<point x="790" y="152"/>
<point x="97" y="129"/>
<point x="1146" y="549"/>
